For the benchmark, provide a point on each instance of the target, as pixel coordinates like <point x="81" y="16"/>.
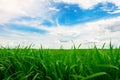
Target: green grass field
<point x="60" y="64"/>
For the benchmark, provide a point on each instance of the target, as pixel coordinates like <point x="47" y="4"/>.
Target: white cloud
<point x="93" y="32"/>
<point x="53" y="9"/>
<point x="88" y="4"/>
<point x="12" y="9"/>
<point x="85" y="4"/>
<point x="114" y="12"/>
<point x="88" y="34"/>
<point x="116" y="2"/>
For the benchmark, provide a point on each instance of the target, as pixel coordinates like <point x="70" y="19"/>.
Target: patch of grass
<point x="60" y="64"/>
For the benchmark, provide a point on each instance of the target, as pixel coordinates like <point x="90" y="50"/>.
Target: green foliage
<point x="60" y="64"/>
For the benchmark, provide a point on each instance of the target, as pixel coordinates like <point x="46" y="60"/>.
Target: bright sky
<point x="53" y="23"/>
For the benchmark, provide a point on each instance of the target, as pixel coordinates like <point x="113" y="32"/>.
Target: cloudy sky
<point x="53" y="23"/>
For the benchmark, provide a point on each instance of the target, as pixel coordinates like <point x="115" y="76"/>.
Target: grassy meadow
<point x="60" y="64"/>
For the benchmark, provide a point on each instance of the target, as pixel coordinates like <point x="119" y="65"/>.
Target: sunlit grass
<point x="60" y="64"/>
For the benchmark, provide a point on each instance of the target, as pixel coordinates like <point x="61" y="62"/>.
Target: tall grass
<point x="60" y="64"/>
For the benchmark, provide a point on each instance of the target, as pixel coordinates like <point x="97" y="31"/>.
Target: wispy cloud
<point x="96" y="32"/>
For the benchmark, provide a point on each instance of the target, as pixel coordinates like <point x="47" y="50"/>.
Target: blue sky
<point x="53" y="23"/>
